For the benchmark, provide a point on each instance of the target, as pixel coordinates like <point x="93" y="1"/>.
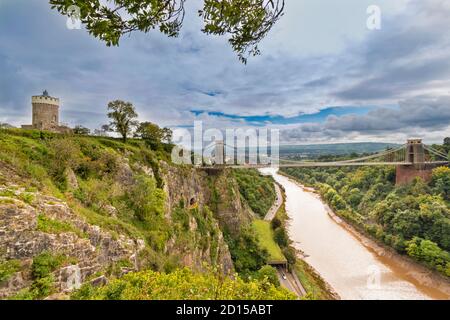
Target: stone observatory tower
<point x="45" y="110"/>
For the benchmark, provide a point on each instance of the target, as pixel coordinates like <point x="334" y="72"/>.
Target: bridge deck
<point x="414" y="152"/>
<point x="320" y="164"/>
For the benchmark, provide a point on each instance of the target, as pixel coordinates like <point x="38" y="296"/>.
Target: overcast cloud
<point x="320" y="55"/>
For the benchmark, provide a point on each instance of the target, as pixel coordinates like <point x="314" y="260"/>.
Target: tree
<point x="447" y="145"/>
<point x="281" y="238"/>
<point x="153" y="134"/>
<point x="102" y="131"/>
<point x="275" y="223"/>
<point x="441" y="181"/>
<point x="430" y="253"/>
<point x="146" y="199"/>
<point x="167" y="135"/>
<point x="447" y="141"/>
<point x="123" y="117"/>
<point x="4" y="125"/>
<point x="80" y="130"/>
<point x="245" y="22"/>
<point x="268" y="273"/>
<point x="182" y="284"/>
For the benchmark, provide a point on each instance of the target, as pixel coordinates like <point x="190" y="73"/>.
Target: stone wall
<point x="45" y="116"/>
<point x="407" y="173"/>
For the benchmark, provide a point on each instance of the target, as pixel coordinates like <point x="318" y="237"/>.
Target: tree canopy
<point x="123" y="117"/>
<point x="81" y="130"/>
<point x="153" y="134"/>
<point x="245" y="22"/>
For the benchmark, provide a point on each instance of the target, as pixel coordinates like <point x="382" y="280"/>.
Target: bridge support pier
<point x="407" y="173"/>
<point x="418" y="168"/>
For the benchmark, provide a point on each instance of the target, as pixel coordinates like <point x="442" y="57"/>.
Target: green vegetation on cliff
<point x="42" y="278"/>
<point x="8" y="268"/>
<point x="183" y="284"/>
<point x="247" y="254"/>
<point x="101" y="178"/>
<point x="257" y="190"/>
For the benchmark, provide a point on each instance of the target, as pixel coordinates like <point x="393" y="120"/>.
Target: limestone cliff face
<point x="22" y="238"/>
<point x="216" y="190"/>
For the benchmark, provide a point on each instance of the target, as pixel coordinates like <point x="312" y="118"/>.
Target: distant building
<point x="46" y="114"/>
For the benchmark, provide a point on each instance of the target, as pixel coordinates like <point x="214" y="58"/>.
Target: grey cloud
<point x="420" y="114"/>
<point x="165" y="78"/>
<point x="410" y="54"/>
<point x="319" y="82"/>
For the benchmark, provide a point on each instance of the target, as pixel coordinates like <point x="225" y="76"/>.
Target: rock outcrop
<point x="195" y="189"/>
<point x="21" y="238"/>
<point x="216" y="189"/>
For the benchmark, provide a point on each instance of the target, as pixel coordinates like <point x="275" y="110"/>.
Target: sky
<point x="322" y="77"/>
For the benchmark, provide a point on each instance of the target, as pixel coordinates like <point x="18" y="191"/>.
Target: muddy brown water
<point x="355" y="269"/>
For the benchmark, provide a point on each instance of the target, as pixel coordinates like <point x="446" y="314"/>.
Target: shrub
<point x="41" y="270"/>
<point x="245" y="251"/>
<point x="268" y="273"/>
<point x="429" y="253"/>
<point x="63" y="154"/>
<point x="181" y="216"/>
<point x="27" y="197"/>
<point x="145" y="198"/>
<point x="48" y="225"/>
<point x="42" y="287"/>
<point x="45" y="263"/>
<point x="275" y="223"/>
<point x="8" y="268"/>
<point x="281" y="237"/>
<point x="183" y="284"/>
<point x="94" y="193"/>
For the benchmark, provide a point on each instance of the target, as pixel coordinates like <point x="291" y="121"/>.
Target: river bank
<point x="425" y="280"/>
<point x="315" y="286"/>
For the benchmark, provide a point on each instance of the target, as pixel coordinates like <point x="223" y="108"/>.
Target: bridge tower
<point x="415" y="164"/>
<point x="415" y="152"/>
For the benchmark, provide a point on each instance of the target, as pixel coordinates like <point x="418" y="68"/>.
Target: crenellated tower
<point x="45" y="114"/>
<point x="45" y="111"/>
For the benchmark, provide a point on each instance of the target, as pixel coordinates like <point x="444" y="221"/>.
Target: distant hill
<point x="315" y="150"/>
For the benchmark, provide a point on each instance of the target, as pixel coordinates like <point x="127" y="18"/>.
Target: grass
<point x="45" y="224"/>
<point x="8" y="268"/>
<point x="313" y="284"/>
<point x="265" y="236"/>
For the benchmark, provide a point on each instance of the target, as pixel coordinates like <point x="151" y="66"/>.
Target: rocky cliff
<point x="85" y="211"/>
<point x="215" y="188"/>
<point x="25" y="232"/>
